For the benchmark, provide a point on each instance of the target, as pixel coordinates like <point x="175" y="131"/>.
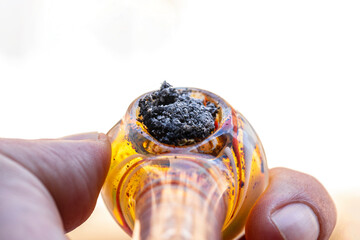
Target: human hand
<point x="295" y="206"/>
<point x="49" y="187"/>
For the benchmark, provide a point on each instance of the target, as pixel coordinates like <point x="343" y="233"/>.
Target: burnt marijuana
<point x="173" y="117"/>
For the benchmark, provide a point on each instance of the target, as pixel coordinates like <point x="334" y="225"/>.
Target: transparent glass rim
<point x="225" y="111"/>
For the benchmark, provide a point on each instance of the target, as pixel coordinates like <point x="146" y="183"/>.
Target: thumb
<point x="47" y="186"/>
<point x="294" y="206"/>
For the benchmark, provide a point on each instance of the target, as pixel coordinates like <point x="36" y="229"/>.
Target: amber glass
<point x="199" y="191"/>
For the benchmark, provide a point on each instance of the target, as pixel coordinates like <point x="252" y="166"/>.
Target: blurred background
<point x="291" y="67"/>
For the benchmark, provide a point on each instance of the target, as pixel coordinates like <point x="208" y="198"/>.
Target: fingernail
<point x="296" y="221"/>
<point x="102" y="137"/>
<point x="83" y="136"/>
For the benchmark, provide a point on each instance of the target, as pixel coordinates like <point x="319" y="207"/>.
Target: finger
<point x="82" y="136"/>
<point x="294" y="206"/>
<point x="27" y="210"/>
<point x="71" y="171"/>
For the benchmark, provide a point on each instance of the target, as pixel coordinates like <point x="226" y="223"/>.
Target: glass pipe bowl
<point x="218" y="178"/>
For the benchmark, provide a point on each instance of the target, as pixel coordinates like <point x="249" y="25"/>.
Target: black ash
<point x="173" y="117"/>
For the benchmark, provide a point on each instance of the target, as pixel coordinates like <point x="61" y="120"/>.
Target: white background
<point x="291" y="67"/>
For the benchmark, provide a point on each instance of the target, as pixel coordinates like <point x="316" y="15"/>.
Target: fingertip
<point x="72" y="169"/>
<point x="294" y="206"/>
<point x="92" y="162"/>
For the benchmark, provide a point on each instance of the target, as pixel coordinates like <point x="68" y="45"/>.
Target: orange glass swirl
<point x="199" y="191"/>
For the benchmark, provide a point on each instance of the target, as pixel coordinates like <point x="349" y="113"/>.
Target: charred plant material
<point x="173" y="117"/>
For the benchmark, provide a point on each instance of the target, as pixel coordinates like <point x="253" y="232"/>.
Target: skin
<point x="286" y="187"/>
<point x="49" y="187"/>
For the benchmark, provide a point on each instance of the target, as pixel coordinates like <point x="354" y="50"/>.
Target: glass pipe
<point x="199" y="191"/>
